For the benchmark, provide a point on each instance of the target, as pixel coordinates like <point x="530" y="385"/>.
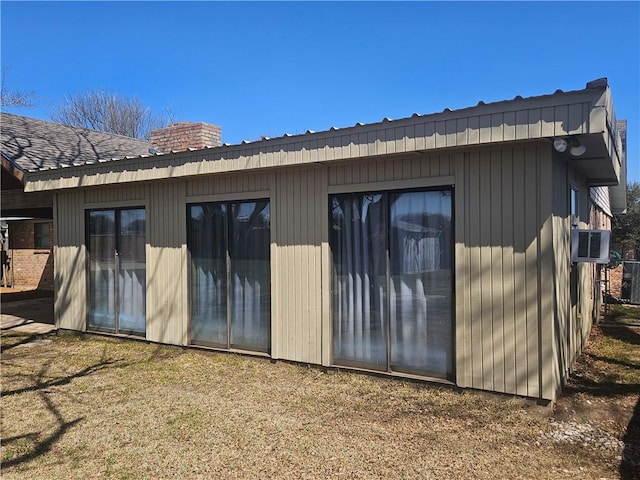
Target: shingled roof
<point x="32" y="144"/>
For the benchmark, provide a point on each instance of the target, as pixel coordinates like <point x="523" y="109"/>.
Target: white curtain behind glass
<point x="359" y="279"/>
<point x="416" y="331"/>
<point x="132" y="273"/>
<point x="249" y="253"/>
<point x="420" y="288"/>
<point x="102" y="250"/>
<point x="208" y="289"/>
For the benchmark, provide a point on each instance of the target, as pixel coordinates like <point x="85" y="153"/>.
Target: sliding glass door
<point x="102" y="269"/>
<point x="230" y="275"/>
<point x="117" y="270"/>
<point x="359" y="287"/>
<point x="392" y="285"/>
<point x="207" y="233"/>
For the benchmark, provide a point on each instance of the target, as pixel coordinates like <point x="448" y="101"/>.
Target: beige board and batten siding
<point x="499" y="264"/>
<point x="298" y="217"/>
<point x="166" y="263"/>
<point x="572" y="282"/>
<point x="106" y="197"/>
<point x="564" y="322"/>
<point x="582" y="310"/>
<point x="69" y="251"/>
<point x="497" y="275"/>
<point x="226" y="185"/>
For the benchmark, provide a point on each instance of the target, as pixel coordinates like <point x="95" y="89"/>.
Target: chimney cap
<point x="599" y="83"/>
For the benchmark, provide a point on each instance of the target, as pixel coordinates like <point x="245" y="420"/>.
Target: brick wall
<point x="21" y="235"/>
<point x="615" y="281"/>
<point x="30" y="267"/>
<point x="184" y="135"/>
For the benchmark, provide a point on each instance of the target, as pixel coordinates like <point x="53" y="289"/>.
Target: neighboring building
<point x="28" y="144"/>
<point x="433" y="247"/>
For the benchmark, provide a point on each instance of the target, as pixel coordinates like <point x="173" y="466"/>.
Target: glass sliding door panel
<point x="132" y="271"/>
<point x="420" y="290"/>
<point x="250" y="275"/>
<point x="207" y="241"/>
<point x="102" y="268"/>
<point x="359" y="280"/>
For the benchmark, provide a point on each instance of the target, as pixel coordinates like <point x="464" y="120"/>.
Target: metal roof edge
<point x="481" y="108"/>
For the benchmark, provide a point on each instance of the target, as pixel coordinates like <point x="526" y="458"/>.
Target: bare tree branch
<point x="108" y="112"/>
<point x="10" y="98"/>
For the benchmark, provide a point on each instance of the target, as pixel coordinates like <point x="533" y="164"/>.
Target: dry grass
<point x="82" y="406"/>
<point x="620" y="313"/>
<point x="604" y="391"/>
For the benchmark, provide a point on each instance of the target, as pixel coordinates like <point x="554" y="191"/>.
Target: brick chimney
<point x="183" y="135"/>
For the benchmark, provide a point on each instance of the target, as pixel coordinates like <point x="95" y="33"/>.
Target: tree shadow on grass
<point x="624" y="333"/>
<point x="41" y="386"/>
<point x="45" y="444"/>
<point x="601" y="374"/>
<point x="20" y="340"/>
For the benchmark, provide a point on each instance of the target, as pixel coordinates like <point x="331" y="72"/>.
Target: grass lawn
<point x="78" y="406"/>
<point x="621" y="313"/>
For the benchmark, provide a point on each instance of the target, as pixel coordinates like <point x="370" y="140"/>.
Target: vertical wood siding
<point x="167" y="263"/>
<point x="105" y="195"/>
<point x="385" y="170"/>
<point x="548" y="382"/>
<point x="573" y="283"/>
<point x="564" y="325"/>
<point x="227" y="184"/>
<point x="69" y="261"/>
<point x="497" y="272"/>
<point x="507" y="244"/>
<point x="298" y="214"/>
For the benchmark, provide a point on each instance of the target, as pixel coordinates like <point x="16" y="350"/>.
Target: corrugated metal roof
<point x="503" y="105"/>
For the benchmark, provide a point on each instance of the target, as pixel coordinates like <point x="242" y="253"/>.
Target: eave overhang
<point x="585" y="114"/>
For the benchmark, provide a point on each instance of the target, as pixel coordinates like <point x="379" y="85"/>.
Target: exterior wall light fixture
<point x="576" y="149"/>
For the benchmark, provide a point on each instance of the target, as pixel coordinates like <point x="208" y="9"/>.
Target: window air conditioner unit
<point x="590" y="246"/>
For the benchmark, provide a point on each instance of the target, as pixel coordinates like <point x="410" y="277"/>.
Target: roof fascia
<point x="12" y="168"/>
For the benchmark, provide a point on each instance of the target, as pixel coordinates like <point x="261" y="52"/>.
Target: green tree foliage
<point x="626" y="227"/>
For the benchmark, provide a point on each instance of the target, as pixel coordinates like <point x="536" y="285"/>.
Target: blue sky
<point x="272" y="68"/>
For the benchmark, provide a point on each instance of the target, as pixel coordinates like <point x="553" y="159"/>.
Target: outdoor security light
<point x="576" y="149"/>
<point x="560" y="144"/>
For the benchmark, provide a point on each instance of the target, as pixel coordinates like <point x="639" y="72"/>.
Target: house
<point x="28" y="144"/>
<point x="434" y="247"/>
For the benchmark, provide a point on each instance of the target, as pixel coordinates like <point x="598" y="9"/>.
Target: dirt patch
<point x="602" y="394"/>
